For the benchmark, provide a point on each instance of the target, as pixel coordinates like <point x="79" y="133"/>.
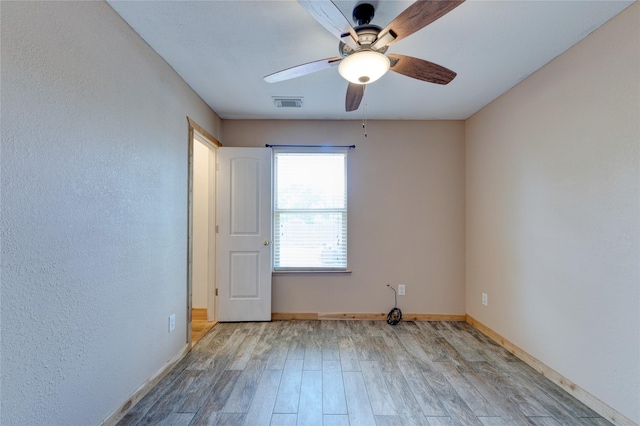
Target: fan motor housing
<point x="367" y="35"/>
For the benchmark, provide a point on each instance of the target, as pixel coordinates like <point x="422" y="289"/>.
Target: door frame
<point x="196" y="131"/>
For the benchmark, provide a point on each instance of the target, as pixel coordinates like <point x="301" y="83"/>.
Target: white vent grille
<point x="281" y="102"/>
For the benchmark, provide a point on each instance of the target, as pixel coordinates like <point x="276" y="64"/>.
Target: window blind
<point x="310" y="210"/>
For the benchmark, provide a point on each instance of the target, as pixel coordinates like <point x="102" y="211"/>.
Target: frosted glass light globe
<point x="364" y="67"/>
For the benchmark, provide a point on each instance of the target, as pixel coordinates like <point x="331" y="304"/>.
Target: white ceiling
<point x="223" y="49"/>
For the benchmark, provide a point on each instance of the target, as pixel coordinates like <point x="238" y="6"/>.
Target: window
<point x="310" y="209"/>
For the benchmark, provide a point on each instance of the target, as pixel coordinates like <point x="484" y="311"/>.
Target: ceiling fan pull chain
<point x="364" y="112"/>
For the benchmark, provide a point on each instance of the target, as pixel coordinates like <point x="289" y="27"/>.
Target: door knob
<point x="265" y="242"/>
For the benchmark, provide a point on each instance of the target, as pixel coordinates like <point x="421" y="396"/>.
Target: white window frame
<point x="276" y="211"/>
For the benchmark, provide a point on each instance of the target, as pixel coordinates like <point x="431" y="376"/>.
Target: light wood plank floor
<point x="199" y="325"/>
<point x="354" y="373"/>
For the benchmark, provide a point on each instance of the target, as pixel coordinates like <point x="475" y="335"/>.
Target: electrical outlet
<point x="401" y="290"/>
<point x="485" y="299"/>
<point x="172" y="323"/>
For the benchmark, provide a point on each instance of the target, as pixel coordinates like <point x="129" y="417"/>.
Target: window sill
<point x="310" y="272"/>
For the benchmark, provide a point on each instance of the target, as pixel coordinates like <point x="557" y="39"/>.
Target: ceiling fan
<point x="362" y="49"/>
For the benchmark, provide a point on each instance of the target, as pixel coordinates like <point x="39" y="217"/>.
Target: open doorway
<point x="201" y="275"/>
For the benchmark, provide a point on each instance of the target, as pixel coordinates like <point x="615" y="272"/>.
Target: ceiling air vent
<point x="282" y="102"/>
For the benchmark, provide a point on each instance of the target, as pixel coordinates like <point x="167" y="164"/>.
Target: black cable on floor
<point x="395" y="315"/>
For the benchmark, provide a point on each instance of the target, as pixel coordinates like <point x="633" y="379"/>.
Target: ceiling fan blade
<point x="355" y="92"/>
<point x="304" y="69"/>
<point x="330" y="17"/>
<point x="415" y="17"/>
<point x="421" y="69"/>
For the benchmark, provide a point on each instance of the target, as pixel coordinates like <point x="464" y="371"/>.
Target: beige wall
<point x="406" y="215"/>
<point x="200" y="253"/>
<point x="94" y="211"/>
<point x="553" y="214"/>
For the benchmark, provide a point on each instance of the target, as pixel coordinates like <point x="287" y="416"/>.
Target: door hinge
<point x="216" y="291"/>
<point x="217" y="167"/>
<point x="217" y="229"/>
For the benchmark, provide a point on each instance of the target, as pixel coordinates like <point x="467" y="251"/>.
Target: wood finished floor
<point x="354" y="373"/>
<point x="199" y="325"/>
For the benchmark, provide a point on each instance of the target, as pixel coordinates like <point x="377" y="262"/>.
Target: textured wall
<point x="94" y="211"/>
<point x="406" y="215"/>
<point x="553" y="190"/>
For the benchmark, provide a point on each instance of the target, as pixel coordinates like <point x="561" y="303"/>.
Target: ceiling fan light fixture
<point x="364" y="67"/>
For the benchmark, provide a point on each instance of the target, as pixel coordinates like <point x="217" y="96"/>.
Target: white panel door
<point x="244" y="234"/>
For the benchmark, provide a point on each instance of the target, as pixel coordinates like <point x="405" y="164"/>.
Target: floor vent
<point x="287" y="102"/>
